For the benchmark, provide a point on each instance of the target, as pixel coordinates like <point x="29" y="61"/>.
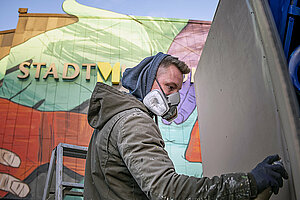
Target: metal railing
<point x="63" y="188"/>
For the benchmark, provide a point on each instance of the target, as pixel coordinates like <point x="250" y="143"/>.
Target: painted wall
<point x="42" y="106"/>
<point x="248" y="109"/>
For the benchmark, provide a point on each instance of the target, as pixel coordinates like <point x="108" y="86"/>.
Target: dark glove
<point x="269" y="174"/>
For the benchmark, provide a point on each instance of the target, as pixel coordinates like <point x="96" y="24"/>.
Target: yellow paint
<point x="185" y="77"/>
<point x="99" y="78"/>
<point x="115" y="77"/>
<point x="193" y="74"/>
<point x="105" y="69"/>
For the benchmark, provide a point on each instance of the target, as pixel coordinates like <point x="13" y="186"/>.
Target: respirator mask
<point x="161" y="105"/>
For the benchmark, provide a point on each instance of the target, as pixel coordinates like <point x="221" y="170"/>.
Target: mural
<point x="46" y="83"/>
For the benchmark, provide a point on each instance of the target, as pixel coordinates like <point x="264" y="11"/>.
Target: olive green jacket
<point x="127" y="160"/>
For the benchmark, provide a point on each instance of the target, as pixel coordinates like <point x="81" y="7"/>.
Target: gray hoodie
<point x="127" y="160"/>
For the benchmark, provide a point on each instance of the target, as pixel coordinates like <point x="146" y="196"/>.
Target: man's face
<point x="169" y="78"/>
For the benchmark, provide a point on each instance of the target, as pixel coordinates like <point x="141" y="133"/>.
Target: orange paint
<point x="32" y="135"/>
<point x="193" y="152"/>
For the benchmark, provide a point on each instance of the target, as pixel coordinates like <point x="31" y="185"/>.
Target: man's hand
<point x="269" y="174"/>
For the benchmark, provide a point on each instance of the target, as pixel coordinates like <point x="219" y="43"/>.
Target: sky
<point x="192" y="9"/>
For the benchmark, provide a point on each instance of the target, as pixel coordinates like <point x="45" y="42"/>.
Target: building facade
<point x="49" y="66"/>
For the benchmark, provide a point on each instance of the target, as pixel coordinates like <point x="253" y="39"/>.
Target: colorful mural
<point x="46" y="83"/>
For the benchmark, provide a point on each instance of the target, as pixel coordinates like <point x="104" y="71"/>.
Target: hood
<point x="139" y="79"/>
<point x="106" y="102"/>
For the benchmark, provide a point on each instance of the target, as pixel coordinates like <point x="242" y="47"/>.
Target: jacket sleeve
<point x="142" y="149"/>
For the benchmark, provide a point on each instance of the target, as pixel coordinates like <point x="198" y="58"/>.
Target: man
<point x="126" y="157"/>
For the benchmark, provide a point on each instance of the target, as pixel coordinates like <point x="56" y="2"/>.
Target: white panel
<point x="246" y="107"/>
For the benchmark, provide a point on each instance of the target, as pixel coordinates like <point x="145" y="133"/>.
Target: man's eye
<point x="170" y="87"/>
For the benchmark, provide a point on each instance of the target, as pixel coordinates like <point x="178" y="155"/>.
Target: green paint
<point x="176" y="139"/>
<point x="99" y="35"/>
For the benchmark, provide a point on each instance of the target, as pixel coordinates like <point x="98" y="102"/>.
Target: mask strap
<point x="160" y="87"/>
